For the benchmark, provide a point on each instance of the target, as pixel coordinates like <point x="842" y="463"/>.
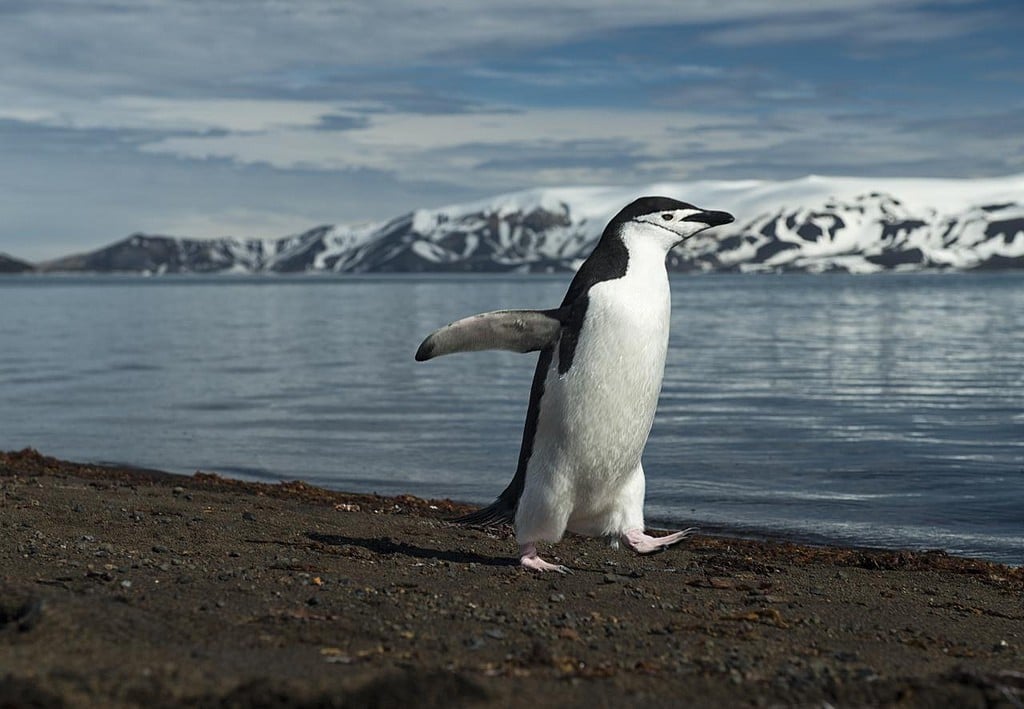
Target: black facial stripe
<point x="662" y="226"/>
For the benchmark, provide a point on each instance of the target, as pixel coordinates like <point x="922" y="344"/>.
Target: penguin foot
<point x="529" y="559"/>
<point x="645" y="544"/>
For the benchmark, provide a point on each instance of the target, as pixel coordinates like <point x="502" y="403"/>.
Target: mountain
<point x="9" y="264"/>
<point x="140" y="253"/>
<point x="813" y="224"/>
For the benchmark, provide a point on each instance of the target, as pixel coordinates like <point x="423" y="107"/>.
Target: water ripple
<point x="879" y="410"/>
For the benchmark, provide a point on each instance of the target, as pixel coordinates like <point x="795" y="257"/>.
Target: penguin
<point x="595" y="388"/>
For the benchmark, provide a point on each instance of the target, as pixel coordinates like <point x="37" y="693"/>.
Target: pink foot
<point x="645" y="544"/>
<point x="529" y="560"/>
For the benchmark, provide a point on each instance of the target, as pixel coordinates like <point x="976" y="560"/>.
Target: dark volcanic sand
<point x="121" y="587"/>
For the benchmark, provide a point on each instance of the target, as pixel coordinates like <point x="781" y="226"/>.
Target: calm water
<point x="879" y="410"/>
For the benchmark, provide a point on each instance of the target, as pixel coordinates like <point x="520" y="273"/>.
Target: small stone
<point x="126" y="584"/>
<point x="556" y="597"/>
<point x="248" y="516"/>
<point x="177" y="490"/>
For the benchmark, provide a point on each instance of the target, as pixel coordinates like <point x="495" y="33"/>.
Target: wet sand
<point x="125" y="587"/>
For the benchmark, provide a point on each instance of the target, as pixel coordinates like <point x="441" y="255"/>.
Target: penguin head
<point x="668" y="221"/>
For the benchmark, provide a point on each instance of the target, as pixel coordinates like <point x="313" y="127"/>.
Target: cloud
<point x="868" y="25"/>
<point x="177" y="115"/>
<point x="508" y="150"/>
<point x="231" y="47"/>
<point x="240" y="116"/>
<point x="244" y="222"/>
<point x="461" y="148"/>
<point x="65" y="190"/>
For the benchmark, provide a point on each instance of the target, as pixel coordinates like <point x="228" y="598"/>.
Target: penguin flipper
<point x="515" y="330"/>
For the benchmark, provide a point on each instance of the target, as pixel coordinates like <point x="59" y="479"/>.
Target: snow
<point x="814" y="223"/>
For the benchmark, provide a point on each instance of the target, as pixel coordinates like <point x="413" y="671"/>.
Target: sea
<point x="878" y="410"/>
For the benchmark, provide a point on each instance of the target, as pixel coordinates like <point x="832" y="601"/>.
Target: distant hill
<point x="814" y="224"/>
<point x="9" y="264"/>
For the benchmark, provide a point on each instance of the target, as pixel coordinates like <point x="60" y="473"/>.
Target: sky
<point x="260" y="118"/>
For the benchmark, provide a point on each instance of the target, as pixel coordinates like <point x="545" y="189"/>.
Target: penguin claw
<point x="538" y="564"/>
<point x="529" y="559"/>
<point x="645" y="544"/>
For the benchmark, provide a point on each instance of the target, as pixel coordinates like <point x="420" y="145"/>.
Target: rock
<point x="21" y="613"/>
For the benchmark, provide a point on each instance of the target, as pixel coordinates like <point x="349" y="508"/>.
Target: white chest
<point x="596" y="417"/>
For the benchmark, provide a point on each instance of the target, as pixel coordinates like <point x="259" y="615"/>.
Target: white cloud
<point x="176" y="115"/>
<point x="451" y="147"/>
<point x="503" y="151"/>
<point x="248" y="223"/>
<point x="206" y="117"/>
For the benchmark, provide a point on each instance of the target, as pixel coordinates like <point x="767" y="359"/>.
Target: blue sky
<point x="249" y="118"/>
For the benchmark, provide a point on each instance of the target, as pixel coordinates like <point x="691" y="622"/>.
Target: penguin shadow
<point x="389" y="546"/>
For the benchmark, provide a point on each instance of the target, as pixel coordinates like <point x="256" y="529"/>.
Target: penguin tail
<point x="498" y="512"/>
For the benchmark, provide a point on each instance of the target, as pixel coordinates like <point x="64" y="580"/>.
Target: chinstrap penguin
<point x="596" y="386"/>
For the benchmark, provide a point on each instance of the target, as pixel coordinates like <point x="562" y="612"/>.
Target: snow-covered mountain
<point x="812" y="224"/>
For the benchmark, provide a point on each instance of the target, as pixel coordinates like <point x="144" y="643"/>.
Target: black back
<point x="607" y="262"/>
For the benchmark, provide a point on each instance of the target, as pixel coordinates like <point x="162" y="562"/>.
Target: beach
<point x="129" y="587"/>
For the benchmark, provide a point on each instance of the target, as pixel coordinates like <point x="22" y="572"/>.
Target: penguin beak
<point x="711" y="218"/>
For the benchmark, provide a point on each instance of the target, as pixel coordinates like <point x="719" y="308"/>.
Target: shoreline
<point x="459" y="507"/>
<point x="128" y="587"/>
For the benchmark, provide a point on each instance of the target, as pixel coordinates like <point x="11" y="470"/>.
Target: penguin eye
<point x="666" y="217"/>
